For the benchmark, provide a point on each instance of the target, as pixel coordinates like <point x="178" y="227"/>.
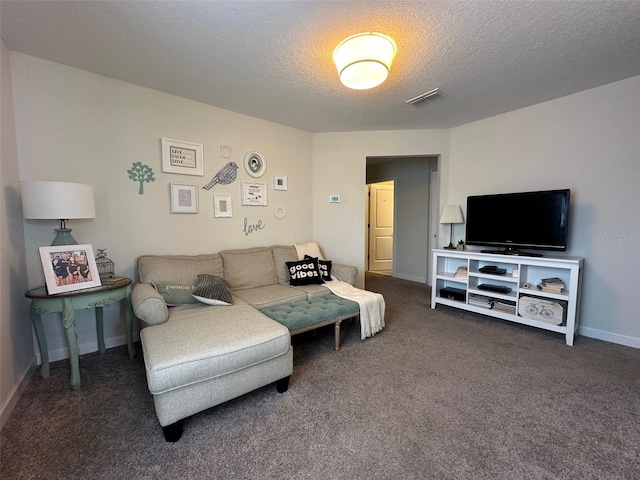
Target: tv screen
<point x="514" y="221"/>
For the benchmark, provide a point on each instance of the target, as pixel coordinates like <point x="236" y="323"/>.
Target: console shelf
<point x="525" y="303"/>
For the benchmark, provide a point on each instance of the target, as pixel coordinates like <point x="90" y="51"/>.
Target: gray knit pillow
<point x="212" y="290"/>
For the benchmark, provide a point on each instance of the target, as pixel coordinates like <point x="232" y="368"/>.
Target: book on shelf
<point x="461" y="272"/>
<point x="550" y="289"/>
<point x="480" y="301"/>
<point x="506" y="306"/>
<point x="551" y="285"/>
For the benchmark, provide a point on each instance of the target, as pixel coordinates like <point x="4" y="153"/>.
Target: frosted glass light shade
<point x="57" y="200"/>
<point x="364" y="60"/>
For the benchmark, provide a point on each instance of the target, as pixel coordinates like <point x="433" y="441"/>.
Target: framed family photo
<point x="181" y="157"/>
<point x="69" y="267"/>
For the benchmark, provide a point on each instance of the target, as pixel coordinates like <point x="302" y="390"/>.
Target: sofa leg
<point x="282" y="385"/>
<point x="173" y="432"/>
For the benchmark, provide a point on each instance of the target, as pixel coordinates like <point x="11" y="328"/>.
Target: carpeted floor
<point x="438" y="394"/>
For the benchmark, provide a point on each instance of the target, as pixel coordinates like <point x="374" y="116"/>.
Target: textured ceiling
<point x="272" y="59"/>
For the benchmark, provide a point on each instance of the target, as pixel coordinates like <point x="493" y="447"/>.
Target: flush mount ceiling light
<point x="364" y="60"/>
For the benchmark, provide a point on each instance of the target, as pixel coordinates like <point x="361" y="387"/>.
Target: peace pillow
<point x="304" y="272"/>
<point x="175" y="294"/>
<point x="212" y="290"/>
<point x="324" y="267"/>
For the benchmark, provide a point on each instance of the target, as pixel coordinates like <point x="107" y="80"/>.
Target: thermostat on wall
<point x="334" y="198"/>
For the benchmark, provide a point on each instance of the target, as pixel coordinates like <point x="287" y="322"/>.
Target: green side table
<point x="66" y="304"/>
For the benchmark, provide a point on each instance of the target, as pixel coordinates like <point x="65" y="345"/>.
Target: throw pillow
<point x="324" y="266"/>
<point x="212" y="290"/>
<point x="175" y="294"/>
<point x="304" y="272"/>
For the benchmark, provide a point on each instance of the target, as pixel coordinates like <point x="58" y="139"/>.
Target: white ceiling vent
<point x="428" y="96"/>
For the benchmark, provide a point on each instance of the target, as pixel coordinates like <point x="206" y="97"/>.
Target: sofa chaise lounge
<point x="197" y="355"/>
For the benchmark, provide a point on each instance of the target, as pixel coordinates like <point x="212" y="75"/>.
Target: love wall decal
<point x="253" y="227"/>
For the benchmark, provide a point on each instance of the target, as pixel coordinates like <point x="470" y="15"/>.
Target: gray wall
<point x="588" y="142"/>
<point x="76" y="126"/>
<point x="16" y="351"/>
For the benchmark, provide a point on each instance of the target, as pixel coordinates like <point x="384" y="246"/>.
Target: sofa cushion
<point x="249" y="268"/>
<point x="175" y="294"/>
<point x="212" y="290"/>
<point x="313" y="291"/>
<point x="179" y="269"/>
<point x="270" y="295"/>
<point x="304" y="272"/>
<point x="195" y="346"/>
<point x="281" y="255"/>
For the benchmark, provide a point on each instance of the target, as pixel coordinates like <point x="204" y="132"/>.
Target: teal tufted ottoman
<point x="304" y="315"/>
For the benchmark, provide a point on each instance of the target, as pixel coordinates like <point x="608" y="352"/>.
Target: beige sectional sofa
<point x="198" y="356"/>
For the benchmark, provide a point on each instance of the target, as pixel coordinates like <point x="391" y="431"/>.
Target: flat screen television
<point x="515" y="221"/>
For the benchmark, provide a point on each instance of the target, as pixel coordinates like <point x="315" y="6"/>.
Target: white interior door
<point x="381" y="226"/>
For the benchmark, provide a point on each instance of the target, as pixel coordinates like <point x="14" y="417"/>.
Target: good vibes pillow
<point x="304" y="272"/>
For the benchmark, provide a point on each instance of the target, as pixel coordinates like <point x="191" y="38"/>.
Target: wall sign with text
<point x="181" y="157"/>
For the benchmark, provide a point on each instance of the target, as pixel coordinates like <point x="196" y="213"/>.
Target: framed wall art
<point x="254" y="194"/>
<point x="181" y="157"/>
<point x="69" y="267"/>
<point x="222" y="207"/>
<point x="280" y="182"/>
<point x="184" y="198"/>
<point x="255" y="164"/>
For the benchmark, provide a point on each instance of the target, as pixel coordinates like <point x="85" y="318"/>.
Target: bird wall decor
<point x="225" y="175"/>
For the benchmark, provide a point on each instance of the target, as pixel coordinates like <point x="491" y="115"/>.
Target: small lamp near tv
<point x="451" y="214"/>
<point x="60" y="201"/>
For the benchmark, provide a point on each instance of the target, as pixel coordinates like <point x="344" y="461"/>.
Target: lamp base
<point x="64" y="237"/>
<point x="449" y="247"/>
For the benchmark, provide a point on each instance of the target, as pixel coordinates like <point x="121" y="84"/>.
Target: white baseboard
<point x="609" y="337"/>
<point x="411" y="278"/>
<point x="16" y="392"/>
<point x="87" y="347"/>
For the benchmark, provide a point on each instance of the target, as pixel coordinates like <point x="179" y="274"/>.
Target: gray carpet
<point x="438" y="394"/>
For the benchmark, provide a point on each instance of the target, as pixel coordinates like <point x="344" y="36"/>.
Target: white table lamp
<point x="60" y="201"/>
<point x="451" y="214"/>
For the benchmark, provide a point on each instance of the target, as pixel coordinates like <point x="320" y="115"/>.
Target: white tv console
<point x="523" y="283"/>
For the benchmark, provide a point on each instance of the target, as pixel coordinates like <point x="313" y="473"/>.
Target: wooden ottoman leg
<point x="337" y="335"/>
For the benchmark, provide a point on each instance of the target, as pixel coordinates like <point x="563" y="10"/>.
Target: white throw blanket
<point x="372" y="306"/>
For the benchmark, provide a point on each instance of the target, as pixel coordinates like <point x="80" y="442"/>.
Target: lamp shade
<point x="452" y="214"/>
<point x="57" y="200"/>
<point x="364" y="60"/>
